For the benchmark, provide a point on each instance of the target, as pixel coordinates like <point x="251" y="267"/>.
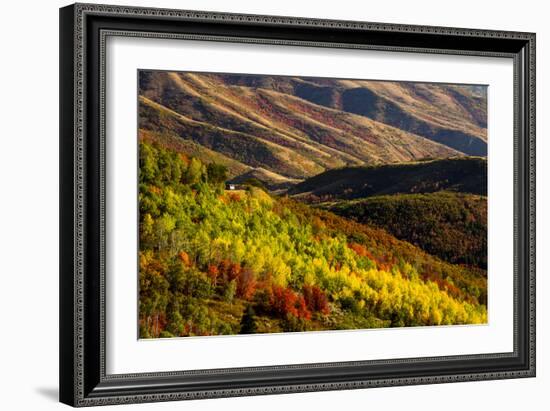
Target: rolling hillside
<point x="466" y="174"/>
<point x="215" y="261"/>
<point x="454" y="115"/>
<point x="293" y="128"/>
<point x="452" y="226"/>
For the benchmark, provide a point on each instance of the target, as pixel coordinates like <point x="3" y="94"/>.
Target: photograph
<point x="278" y="204"/>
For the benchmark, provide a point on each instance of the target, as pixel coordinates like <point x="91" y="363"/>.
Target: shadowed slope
<point x="459" y="174"/>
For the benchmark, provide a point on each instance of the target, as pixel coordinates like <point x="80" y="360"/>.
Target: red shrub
<point x="213" y="273"/>
<point x="285" y="302"/>
<point x="301" y="308"/>
<point x="228" y="270"/>
<point x="234" y="271"/>
<point x="184" y="257"/>
<point x="359" y="249"/>
<point x="315" y="299"/>
<point x="223" y="266"/>
<point x="246" y="284"/>
<point x="234" y="197"/>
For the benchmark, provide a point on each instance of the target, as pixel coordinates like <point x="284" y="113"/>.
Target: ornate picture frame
<point x="84" y="30"/>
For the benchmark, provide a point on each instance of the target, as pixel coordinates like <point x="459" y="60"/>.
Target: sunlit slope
<point x="455" y="115"/>
<point x="215" y="261"/>
<point x="273" y="123"/>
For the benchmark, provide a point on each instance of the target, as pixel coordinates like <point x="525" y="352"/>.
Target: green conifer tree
<point x="248" y="322"/>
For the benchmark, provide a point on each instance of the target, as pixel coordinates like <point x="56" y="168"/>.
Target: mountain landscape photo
<point x="276" y="204"/>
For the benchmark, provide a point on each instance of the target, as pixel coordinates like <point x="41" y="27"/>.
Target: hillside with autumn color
<point x="450" y="225"/>
<point x="273" y="204"/>
<point x="214" y="261"/>
<point x="296" y="127"/>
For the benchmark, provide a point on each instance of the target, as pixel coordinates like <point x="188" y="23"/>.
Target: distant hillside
<point x="299" y="127"/>
<point x="467" y="175"/>
<point x="454" y="115"/>
<point x="450" y="115"/>
<point x="452" y="226"/>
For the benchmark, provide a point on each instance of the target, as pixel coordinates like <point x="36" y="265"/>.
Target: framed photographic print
<point x="260" y="204"/>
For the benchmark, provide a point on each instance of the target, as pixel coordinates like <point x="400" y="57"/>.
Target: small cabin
<point x="230" y="187"/>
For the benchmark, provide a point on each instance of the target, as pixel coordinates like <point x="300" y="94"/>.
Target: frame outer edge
<point x="209" y="16"/>
<point x="67" y="200"/>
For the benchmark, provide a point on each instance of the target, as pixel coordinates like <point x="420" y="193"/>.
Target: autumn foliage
<point x="315" y="299"/>
<point x="286" y="302"/>
<point x="215" y="262"/>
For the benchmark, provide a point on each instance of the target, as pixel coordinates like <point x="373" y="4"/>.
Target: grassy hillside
<point x="452" y="115"/>
<point x="452" y="226"/>
<point x="466" y="175"/>
<point x="288" y="126"/>
<point x="219" y="262"/>
<point x="455" y="115"/>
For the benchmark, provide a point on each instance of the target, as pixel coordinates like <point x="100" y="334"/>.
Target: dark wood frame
<point x="83" y="30"/>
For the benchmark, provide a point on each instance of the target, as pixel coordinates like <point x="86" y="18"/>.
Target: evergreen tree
<point x="248" y="322"/>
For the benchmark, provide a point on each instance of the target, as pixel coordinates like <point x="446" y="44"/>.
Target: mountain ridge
<point x="462" y="174"/>
<point x="450" y="225"/>
<point x="271" y="122"/>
